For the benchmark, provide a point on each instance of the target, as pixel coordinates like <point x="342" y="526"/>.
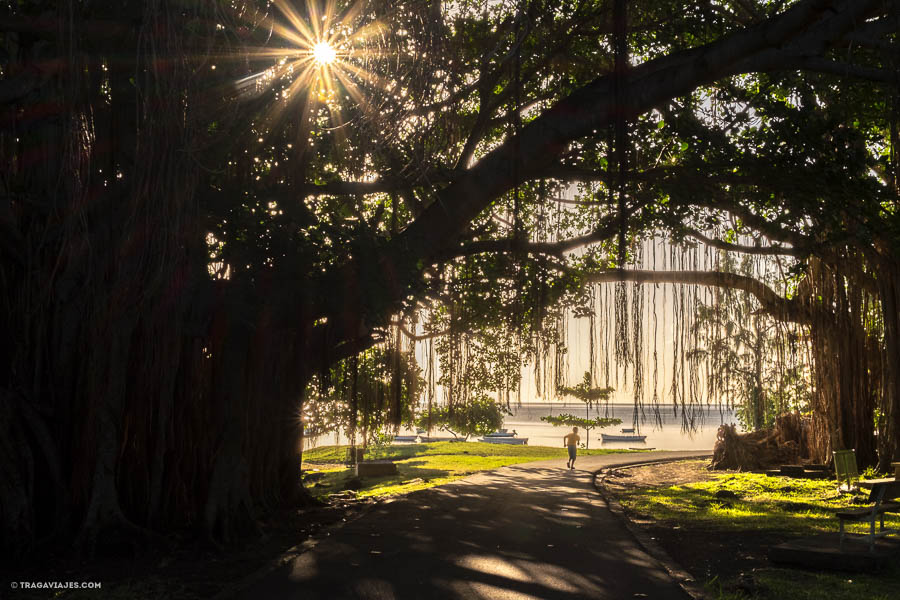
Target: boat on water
<point x="504" y="439"/>
<point x="421" y="437"/>
<point x="504" y="436"/>
<point x="622" y="438"/>
<point x="628" y="430"/>
<point x="501" y="433"/>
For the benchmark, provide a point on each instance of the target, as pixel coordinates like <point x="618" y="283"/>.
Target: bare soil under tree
<point x="704" y="553"/>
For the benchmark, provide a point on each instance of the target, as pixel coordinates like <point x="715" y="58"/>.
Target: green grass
<point x="790" y="507"/>
<point x="794" y="506"/>
<point x="423" y="465"/>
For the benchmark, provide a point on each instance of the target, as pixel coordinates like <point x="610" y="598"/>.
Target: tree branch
<point x="761" y="250"/>
<point x="772" y="303"/>
<point x="342" y="188"/>
<point x="604" y="231"/>
<point x="418" y="338"/>
<point x="822" y="65"/>
<point x="369" y="287"/>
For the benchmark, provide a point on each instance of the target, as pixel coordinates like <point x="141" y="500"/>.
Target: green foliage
<point x="479" y="416"/>
<point x="585" y="392"/>
<point x="582" y="422"/>
<point x="379" y="443"/>
<point x="368" y="396"/>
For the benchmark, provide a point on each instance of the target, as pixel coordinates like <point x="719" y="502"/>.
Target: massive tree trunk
<point x="845" y="367"/>
<point x="889" y="418"/>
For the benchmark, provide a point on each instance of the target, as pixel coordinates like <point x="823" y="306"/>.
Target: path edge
<point x="685" y="580"/>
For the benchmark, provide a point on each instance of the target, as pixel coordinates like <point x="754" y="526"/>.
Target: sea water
<point x="673" y="430"/>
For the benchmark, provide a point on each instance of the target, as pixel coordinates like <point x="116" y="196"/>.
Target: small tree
<point x="586" y="424"/>
<point x="586" y="393"/>
<point x="480" y="416"/>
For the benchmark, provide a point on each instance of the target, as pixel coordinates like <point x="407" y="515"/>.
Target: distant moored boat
<point x="504" y="437"/>
<point x="516" y="441"/>
<point x="622" y="438"/>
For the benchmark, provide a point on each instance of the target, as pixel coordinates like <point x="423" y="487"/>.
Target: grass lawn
<point x="421" y="465"/>
<point x="783" y="506"/>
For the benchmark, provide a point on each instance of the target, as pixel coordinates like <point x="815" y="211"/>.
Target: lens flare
<point x="323" y="53"/>
<point x="319" y="57"/>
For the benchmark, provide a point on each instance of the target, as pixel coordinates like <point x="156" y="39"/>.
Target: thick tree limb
<point x="808" y="28"/>
<point x="772" y="303"/>
<point x="591" y="108"/>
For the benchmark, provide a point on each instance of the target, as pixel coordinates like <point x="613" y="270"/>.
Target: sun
<point x="325" y="60"/>
<point x="323" y="53"/>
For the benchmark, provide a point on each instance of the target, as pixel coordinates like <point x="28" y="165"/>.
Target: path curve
<point x="529" y="531"/>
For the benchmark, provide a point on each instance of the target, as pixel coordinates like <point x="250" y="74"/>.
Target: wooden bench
<point x="881" y="489"/>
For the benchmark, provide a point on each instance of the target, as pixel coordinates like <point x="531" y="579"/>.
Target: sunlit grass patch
<point x="730" y="504"/>
<point x="746" y="501"/>
<point x="423" y="465"/>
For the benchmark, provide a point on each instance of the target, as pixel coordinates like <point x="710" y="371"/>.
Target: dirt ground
<point x="665" y="474"/>
<point x="704" y="553"/>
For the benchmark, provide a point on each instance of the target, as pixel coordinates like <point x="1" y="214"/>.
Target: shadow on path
<point x="533" y="531"/>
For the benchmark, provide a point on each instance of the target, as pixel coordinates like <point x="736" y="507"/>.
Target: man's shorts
<point x="572" y="452"/>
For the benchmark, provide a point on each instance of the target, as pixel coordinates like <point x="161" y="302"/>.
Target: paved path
<point x="536" y="531"/>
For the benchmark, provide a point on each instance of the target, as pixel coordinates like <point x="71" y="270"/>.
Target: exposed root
<point x="786" y="443"/>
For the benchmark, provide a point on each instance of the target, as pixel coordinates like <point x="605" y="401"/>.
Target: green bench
<point x="881" y="490"/>
<point x="845" y="470"/>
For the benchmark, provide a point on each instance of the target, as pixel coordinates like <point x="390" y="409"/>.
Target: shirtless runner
<point x="571" y="441"/>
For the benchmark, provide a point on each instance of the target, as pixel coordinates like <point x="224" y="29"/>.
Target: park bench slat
<point x="862" y="514"/>
<point x="869" y="514"/>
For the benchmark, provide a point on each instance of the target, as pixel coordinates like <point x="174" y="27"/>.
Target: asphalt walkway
<point x="536" y="530"/>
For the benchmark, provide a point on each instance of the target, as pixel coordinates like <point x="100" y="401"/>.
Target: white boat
<point x="622" y="438"/>
<point x="502" y="433"/>
<point x="504" y="439"/>
<point x="425" y="439"/>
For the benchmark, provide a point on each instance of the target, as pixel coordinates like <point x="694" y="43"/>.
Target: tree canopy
<point x="204" y="223"/>
<point x="481" y="415"/>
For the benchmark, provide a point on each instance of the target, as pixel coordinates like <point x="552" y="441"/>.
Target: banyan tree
<point x="211" y="211"/>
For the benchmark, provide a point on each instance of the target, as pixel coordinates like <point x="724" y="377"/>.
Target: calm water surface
<point x="669" y="434"/>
